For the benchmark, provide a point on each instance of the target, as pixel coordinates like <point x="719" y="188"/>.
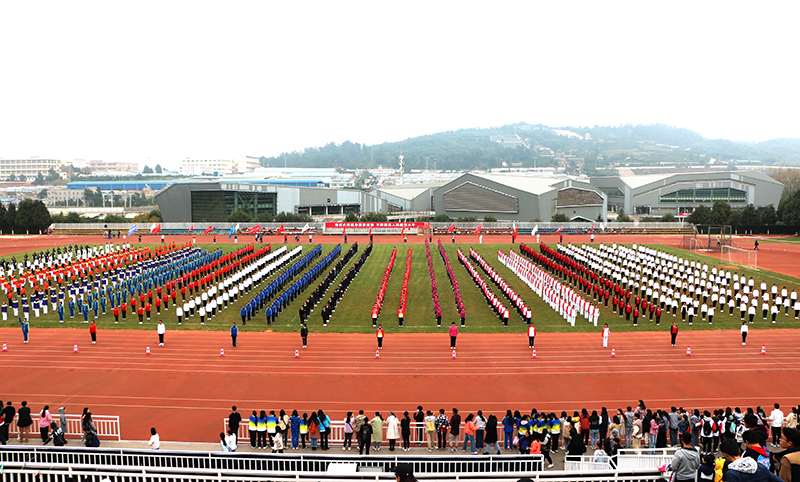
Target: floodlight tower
<point x="401" y="164"/>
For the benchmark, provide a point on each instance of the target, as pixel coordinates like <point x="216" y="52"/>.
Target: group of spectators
<point x="49" y="429"/>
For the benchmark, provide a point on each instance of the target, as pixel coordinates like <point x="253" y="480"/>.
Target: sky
<point x="159" y="81"/>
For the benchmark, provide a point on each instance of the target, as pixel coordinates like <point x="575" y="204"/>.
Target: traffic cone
<point x="533" y="355"/>
<point x="763" y="349"/>
<point x="377" y="353"/>
<point x="5" y="347"/>
<point x="453" y="356"/>
<point x="688" y="351"/>
<point x="75" y="348"/>
<point x="221" y="351"/>
<point x="296" y="353"/>
<point x="147" y="350"/>
<point x="613" y="352"/>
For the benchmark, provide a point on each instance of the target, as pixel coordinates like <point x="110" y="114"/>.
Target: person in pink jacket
<point x="453" y="335"/>
<point x="44" y="422"/>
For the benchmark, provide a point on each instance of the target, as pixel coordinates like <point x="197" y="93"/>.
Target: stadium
<point x="185" y="388"/>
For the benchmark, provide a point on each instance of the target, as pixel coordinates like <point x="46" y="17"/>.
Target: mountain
<point x="526" y="145"/>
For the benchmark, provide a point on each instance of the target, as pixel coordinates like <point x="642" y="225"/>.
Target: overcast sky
<point x="159" y="81"/>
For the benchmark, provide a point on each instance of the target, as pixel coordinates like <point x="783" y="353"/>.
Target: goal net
<point x="689" y="241"/>
<point x="742" y="257"/>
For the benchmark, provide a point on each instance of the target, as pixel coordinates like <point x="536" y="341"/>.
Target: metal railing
<point x="57" y="463"/>
<point x="107" y="426"/>
<point x="586" y="463"/>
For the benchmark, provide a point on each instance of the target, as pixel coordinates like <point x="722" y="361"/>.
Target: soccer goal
<point x="742" y="257"/>
<point x="689" y="240"/>
<point x="714" y="238"/>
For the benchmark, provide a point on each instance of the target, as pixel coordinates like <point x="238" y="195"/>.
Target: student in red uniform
<point x="379" y="335"/>
<point x="673" y="331"/>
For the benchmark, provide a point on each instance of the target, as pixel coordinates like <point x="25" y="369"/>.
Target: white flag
<point x="305" y="228"/>
<point x="535" y="228"/>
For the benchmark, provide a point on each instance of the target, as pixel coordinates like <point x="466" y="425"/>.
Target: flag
<point x="344" y="231"/>
<point x="515" y="230"/>
<point x="535" y="229"/>
<point x="190" y="229"/>
<point x="305" y="228"/>
<point x="280" y="229"/>
<point x="370" y="230"/>
<point x="132" y="230"/>
<point x="559" y="229"/>
<point x="592" y="229"/>
<point x="208" y="230"/>
<point x="254" y="229"/>
<point x="451" y="228"/>
<point x="230" y="235"/>
<point x="478" y="229"/>
<point x="403" y="230"/>
<point x="156" y="228"/>
<point x="426" y="226"/>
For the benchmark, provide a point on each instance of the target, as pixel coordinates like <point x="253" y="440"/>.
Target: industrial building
<point x="517" y="197"/>
<point x="408" y="197"/>
<point x="681" y="193"/>
<point x="215" y="201"/>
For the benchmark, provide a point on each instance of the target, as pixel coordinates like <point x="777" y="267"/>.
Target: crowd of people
<point x="51" y="427"/>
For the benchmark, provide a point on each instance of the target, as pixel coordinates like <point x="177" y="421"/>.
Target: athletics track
<point x="185" y="389"/>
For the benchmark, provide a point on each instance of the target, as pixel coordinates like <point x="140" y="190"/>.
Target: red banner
<point x="374" y="225"/>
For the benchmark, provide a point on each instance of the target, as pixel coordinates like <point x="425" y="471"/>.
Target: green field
<point x="353" y="314"/>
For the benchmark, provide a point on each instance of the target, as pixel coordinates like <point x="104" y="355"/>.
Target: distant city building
<point x="408" y="197"/>
<point x="27" y="167"/>
<point x="106" y="166"/>
<point x="56" y="195"/>
<point x="219" y="167"/>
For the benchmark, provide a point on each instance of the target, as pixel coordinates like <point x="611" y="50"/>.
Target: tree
<point x="374" y="218"/>
<point x="668" y="218"/>
<point x="32" y="216"/>
<point x="442" y="218"/>
<point x="158" y="168"/>
<point x="750" y="217"/>
<point x="12" y="178"/>
<point x="264" y="218"/>
<point x="10" y="219"/>
<point x="559" y="218"/>
<point x="467" y="219"/>
<point x="114" y="218"/>
<point x="22" y="178"/>
<point x="42" y="194"/>
<point x="622" y="217"/>
<point x="489" y="219"/>
<point x="38" y="181"/>
<point x="284" y="217"/>
<point x="700" y="215"/>
<point x="769" y="216"/>
<point x="147" y="170"/>
<point x="790" y="178"/>
<point x="240" y="216"/>
<point x="351" y="218"/>
<point x="788" y="210"/>
<point x="52" y="175"/>
<point x="722" y="214"/>
<point x="155" y="213"/>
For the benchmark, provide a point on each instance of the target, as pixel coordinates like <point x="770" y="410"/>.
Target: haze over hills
<point x="525" y="145"/>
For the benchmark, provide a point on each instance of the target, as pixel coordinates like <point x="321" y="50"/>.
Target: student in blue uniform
<point x="61" y="313"/>
<point x="71" y="309"/>
<point x="86" y="313"/>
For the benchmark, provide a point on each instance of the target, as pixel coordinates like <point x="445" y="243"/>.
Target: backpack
<point x="707" y="428"/>
<point x="366" y="431"/>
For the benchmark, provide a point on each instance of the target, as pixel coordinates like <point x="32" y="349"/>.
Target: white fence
<point x="586" y="463"/>
<point x="57" y="463"/>
<point x="107" y="426"/>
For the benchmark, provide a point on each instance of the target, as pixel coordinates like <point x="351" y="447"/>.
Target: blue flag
<point x="132" y="230"/>
<point x="231" y="233"/>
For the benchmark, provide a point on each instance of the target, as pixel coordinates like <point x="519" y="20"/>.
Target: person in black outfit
<point x="234" y="419"/>
<point x="304" y="334"/>
<point x="419" y="417"/>
<point x="8" y="412"/>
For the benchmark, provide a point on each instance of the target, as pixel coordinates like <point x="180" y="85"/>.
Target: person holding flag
<point x="514" y="234"/>
<point x="560" y="236"/>
<point x="591" y="232"/>
<point x="536" y="232"/>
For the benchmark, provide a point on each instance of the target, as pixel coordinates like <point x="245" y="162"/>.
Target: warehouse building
<point x="680" y="193"/>
<point x="519" y="197"/>
<point x="408" y="197"/>
<point x="215" y="201"/>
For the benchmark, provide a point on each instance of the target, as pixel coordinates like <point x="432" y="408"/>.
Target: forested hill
<point x="527" y="145"/>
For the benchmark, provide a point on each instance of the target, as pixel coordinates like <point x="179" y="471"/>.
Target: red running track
<point x="185" y="389"/>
